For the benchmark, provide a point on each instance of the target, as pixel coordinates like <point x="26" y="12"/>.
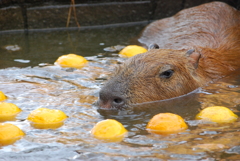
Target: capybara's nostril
<point x="118" y="102"/>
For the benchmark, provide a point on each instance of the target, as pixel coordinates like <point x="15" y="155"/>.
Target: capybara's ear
<point x="194" y="57"/>
<point x="153" y="46"/>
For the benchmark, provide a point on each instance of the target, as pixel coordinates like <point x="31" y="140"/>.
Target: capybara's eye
<point x="167" y="74"/>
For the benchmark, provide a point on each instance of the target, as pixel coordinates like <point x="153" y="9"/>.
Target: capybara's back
<point x="210" y="25"/>
<point x="195" y="46"/>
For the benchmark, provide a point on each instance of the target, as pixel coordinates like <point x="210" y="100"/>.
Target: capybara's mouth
<point x="108" y="105"/>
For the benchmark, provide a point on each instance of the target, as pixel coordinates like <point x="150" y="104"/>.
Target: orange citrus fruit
<point x="2" y="96"/>
<point x="218" y="114"/>
<point x="71" y="61"/>
<point x="132" y="50"/>
<point x="109" y="130"/>
<point x="44" y="118"/>
<point x="166" y="123"/>
<point x="9" y="133"/>
<point x="8" y="111"/>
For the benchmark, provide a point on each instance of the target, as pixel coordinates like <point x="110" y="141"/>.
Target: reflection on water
<point x="47" y="46"/>
<point x="75" y="90"/>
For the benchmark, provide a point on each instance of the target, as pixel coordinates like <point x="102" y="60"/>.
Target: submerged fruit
<point x="71" y="61"/>
<point x="9" y="133"/>
<point x="109" y="130"/>
<point x="8" y="111"/>
<point x="132" y="50"/>
<point x="44" y="118"/>
<point x="2" y="96"/>
<point x="218" y="114"/>
<point x="166" y="123"/>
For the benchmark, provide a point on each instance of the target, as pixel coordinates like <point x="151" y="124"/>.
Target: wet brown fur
<point x="212" y="29"/>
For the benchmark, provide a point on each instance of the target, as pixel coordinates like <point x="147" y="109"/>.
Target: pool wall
<point x="55" y="14"/>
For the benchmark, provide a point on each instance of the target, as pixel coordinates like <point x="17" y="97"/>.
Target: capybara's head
<point x="155" y="75"/>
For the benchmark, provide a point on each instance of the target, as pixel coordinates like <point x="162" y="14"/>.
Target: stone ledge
<point x="48" y="16"/>
<point x="88" y="14"/>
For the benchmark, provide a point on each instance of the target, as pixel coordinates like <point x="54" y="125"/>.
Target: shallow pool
<point x="30" y="79"/>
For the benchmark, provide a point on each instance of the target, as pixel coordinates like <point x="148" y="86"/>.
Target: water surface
<point x="30" y="80"/>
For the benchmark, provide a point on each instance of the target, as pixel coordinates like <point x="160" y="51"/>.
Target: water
<point x="30" y="86"/>
<point x="45" y="46"/>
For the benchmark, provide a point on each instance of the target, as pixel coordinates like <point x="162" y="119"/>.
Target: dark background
<point x="52" y="14"/>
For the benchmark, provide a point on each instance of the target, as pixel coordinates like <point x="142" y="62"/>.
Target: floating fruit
<point x="132" y="50"/>
<point x="2" y="96"/>
<point x="44" y="118"/>
<point x="218" y="114"/>
<point x="109" y="130"/>
<point x="9" y="133"/>
<point x="8" y="111"/>
<point x="166" y="123"/>
<point x="71" y="61"/>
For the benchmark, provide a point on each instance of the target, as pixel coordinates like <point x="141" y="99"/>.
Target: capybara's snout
<point x="109" y="99"/>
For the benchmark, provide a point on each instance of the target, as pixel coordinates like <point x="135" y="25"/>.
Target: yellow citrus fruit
<point x="218" y="114"/>
<point x="166" y="123"/>
<point x="8" y="111"/>
<point x="44" y="118"/>
<point x="9" y="133"/>
<point x="71" y="61"/>
<point x="2" y="96"/>
<point x="132" y="50"/>
<point x="109" y="130"/>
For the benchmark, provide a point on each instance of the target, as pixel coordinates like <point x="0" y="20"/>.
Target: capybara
<point x="196" y="46"/>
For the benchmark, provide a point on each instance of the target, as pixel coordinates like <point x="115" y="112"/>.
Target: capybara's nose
<point x="111" y="100"/>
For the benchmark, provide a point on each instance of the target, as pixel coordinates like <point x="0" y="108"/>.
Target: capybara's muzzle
<point x="111" y="100"/>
